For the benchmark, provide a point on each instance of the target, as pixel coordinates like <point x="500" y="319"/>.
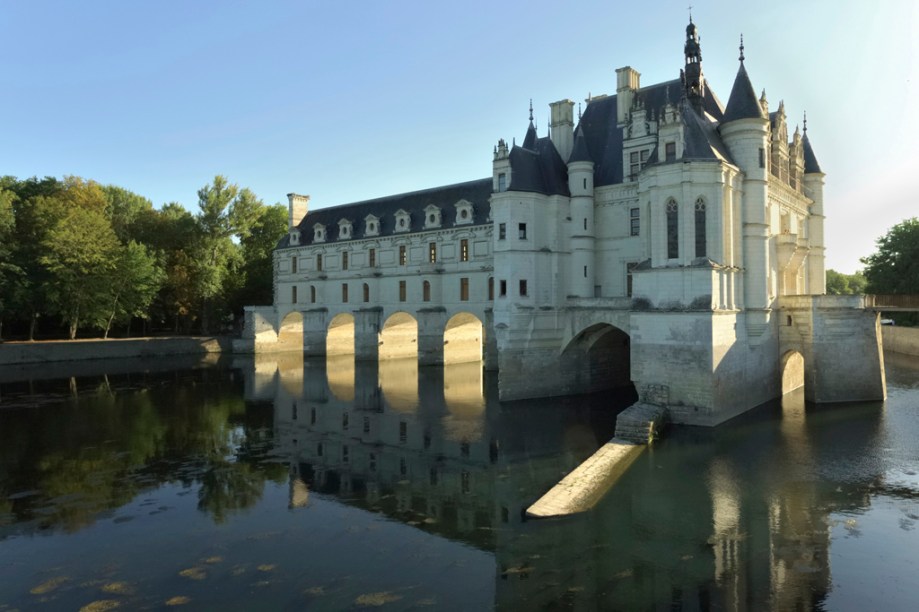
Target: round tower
<point x="581" y="186"/>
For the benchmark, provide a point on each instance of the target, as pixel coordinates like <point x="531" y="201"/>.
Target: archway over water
<point x="340" y="335"/>
<point x="792" y="368"/>
<point x="399" y="337"/>
<point x="290" y="332"/>
<point x="598" y="358"/>
<point x="464" y="338"/>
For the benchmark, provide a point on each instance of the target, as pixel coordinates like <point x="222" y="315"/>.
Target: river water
<point x="278" y="484"/>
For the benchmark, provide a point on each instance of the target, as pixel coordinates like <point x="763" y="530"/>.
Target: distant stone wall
<point x="903" y="340"/>
<point x="78" y="350"/>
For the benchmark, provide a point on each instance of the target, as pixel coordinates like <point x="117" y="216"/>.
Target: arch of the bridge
<point x="290" y="331"/>
<point x="791" y="369"/>
<point x="597" y="357"/>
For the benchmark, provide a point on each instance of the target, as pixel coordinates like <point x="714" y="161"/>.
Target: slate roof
<point x="810" y="160"/>
<point x="478" y="192"/>
<point x="538" y="168"/>
<point x="742" y="104"/>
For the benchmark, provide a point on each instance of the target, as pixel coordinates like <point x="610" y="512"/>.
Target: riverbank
<point x="903" y="340"/>
<point x="50" y="351"/>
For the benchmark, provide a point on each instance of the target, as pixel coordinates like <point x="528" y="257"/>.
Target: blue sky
<point x="348" y="100"/>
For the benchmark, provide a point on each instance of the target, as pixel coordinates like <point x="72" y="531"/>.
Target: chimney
<point x="297" y="206"/>
<point x="627" y="83"/>
<point x="562" y="127"/>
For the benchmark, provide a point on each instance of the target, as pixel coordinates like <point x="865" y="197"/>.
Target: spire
<point x="810" y="160"/>
<point x="579" y="152"/>
<point x="529" y="141"/>
<point x="743" y="103"/>
<point x="694" y="83"/>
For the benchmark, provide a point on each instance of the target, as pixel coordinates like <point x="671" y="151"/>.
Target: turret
<point x="693" y="81"/>
<point x="501" y="167"/>
<point x="581" y="186"/>
<point x="813" y="189"/>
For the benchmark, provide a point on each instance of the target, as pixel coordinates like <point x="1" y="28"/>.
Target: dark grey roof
<point x="537" y="167"/>
<point x="579" y="151"/>
<point x="810" y="160"/>
<point x="743" y="103"/>
<point x="478" y="192"/>
<point x="701" y="138"/>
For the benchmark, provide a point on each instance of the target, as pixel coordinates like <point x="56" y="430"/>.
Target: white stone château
<point x="654" y="242"/>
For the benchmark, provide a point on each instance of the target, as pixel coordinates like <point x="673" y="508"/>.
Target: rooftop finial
<point x="531" y="109"/>
<point x="690" y="13"/>
<point x="579" y="112"/>
<point x="805" y="123"/>
<point x="741" y="47"/>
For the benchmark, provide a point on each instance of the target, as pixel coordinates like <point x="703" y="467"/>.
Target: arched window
<point x="426" y="291"/>
<point x="700" y="228"/>
<point x="673" y="230"/>
<point x="366" y="292"/>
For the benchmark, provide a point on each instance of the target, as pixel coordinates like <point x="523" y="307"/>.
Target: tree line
<point x="76" y="255"/>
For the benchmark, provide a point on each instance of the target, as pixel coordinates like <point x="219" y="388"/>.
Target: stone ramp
<point x="588" y="483"/>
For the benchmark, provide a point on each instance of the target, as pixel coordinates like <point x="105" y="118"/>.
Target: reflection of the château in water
<point x="733" y="518"/>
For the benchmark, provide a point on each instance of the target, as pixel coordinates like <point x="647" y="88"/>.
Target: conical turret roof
<point x="743" y="103"/>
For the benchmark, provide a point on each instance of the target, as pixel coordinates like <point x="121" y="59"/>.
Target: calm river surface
<point x="280" y="485"/>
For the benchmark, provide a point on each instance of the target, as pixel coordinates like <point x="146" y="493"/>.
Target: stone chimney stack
<point x="627" y="84"/>
<point x="298" y="205"/>
<point x="562" y="127"/>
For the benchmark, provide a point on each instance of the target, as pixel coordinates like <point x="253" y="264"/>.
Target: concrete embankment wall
<point x="904" y="340"/>
<point x="78" y="350"/>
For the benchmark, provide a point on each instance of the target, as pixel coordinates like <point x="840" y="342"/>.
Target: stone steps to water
<point x="641" y="423"/>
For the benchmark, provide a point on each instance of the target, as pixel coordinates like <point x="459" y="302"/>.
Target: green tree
<point x="257" y="251"/>
<point x="125" y="208"/>
<point x="135" y="280"/>
<point x="79" y="252"/>
<point x="894" y="268"/>
<point x="225" y="212"/>
<point x="838" y="283"/>
<point x="10" y="272"/>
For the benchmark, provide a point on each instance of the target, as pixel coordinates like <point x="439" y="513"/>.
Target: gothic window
<point x="634" y="221"/>
<point x="426" y="291"/>
<point x="700" y="227"/>
<point x="366" y="292"/>
<point x="673" y="230"/>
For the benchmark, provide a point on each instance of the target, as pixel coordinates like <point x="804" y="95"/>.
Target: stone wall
<point x="79" y="350"/>
<point x="904" y="340"/>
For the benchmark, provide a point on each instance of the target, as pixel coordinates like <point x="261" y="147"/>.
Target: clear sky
<point x="348" y="100"/>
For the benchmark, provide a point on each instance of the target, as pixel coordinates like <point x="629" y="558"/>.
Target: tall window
<point x="464" y="289"/>
<point x="502" y="288"/>
<point x="344" y="260"/>
<point x="700" y="228"/>
<point x="402" y="255"/>
<point x="637" y="161"/>
<point x="432" y="252"/>
<point x="402" y="291"/>
<point x="502" y="231"/>
<point x="491" y="288"/>
<point x="673" y="230"/>
<point x="293" y="264"/>
<point x="523" y="288"/>
<point x="313" y="294"/>
<point x="502" y="182"/>
<point x="634" y="221"/>
<point x="670" y="151"/>
<point x="426" y="291"/>
<point x="629" y="268"/>
<point x="293" y="294"/>
<point x="344" y="293"/>
<point x="522" y="231"/>
<point x="366" y="292"/>
<point x="464" y="250"/>
<point x="319" y="263"/>
<point x="373" y="258"/>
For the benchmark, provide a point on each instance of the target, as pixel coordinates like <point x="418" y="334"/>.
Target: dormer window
<point x="463" y="212"/>
<point x="637" y="161"/>
<point x="319" y="233"/>
<point x="403" y="221"/>
<point x="344" y="229"/>
<point x="431" y="216"/>
<point x="294" y="237"/>
<point x="371" y="225"/>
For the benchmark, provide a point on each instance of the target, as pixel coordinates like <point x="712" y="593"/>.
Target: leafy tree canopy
<point x="894" y="268"/>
